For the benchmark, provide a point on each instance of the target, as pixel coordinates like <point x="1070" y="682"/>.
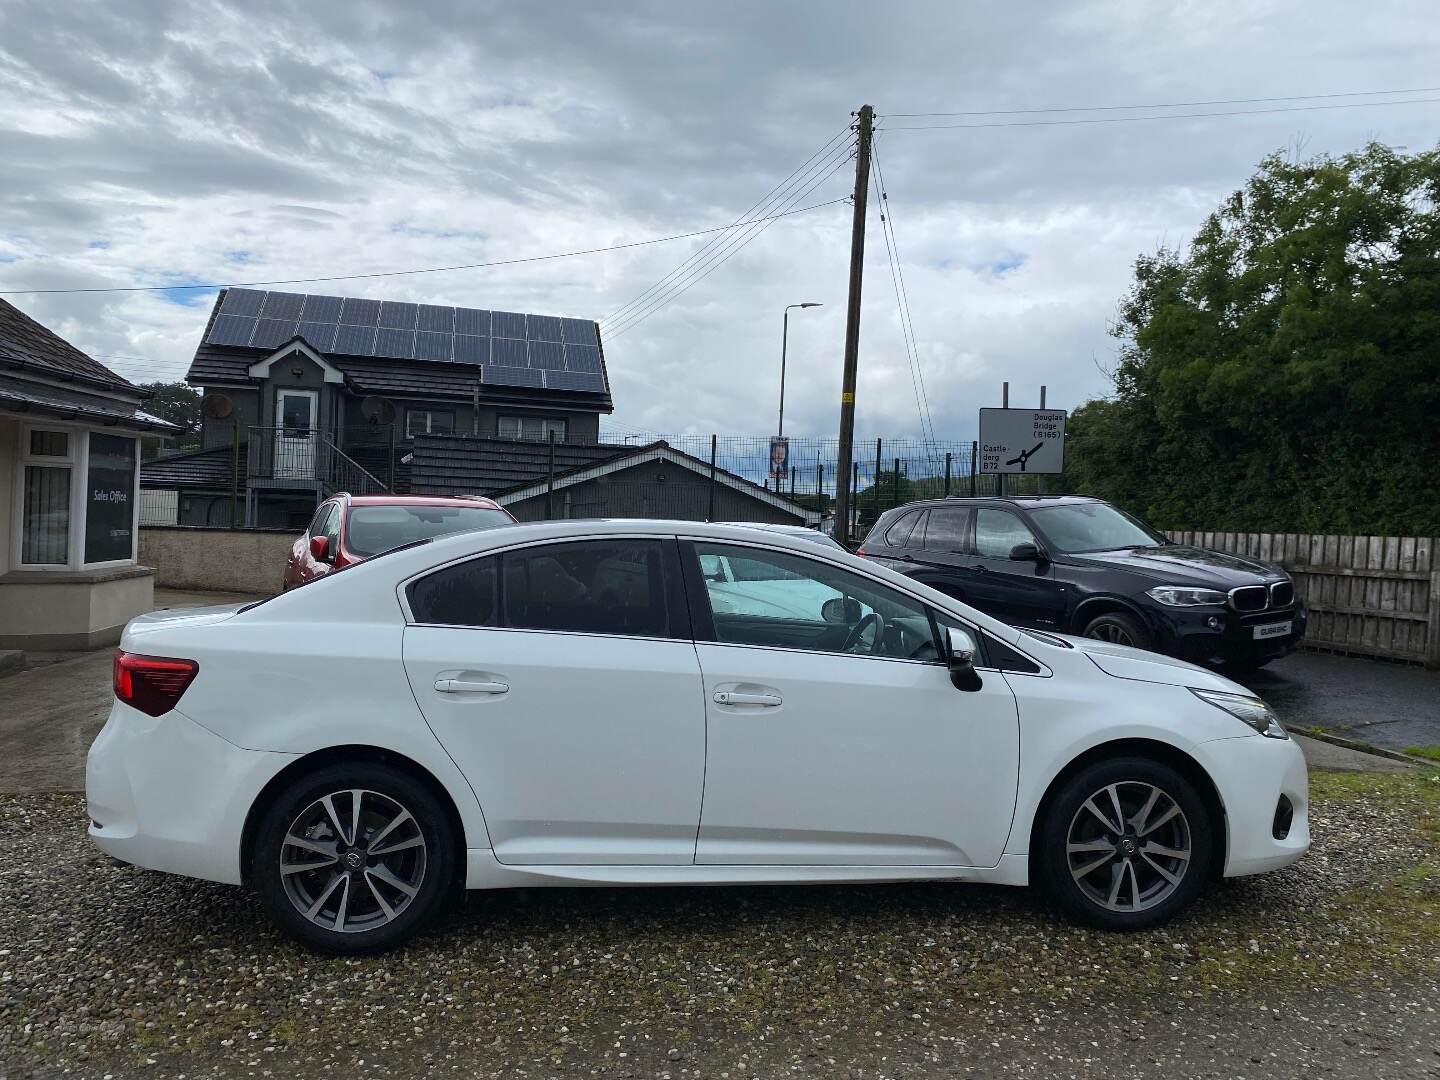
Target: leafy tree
<point x="180" y="404"/>
<point x="1283" y="373"/>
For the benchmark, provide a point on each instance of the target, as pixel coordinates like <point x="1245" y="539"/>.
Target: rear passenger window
<point x="945" y="531"/>
<point x="459" y="595"/>
<point x="898" y="535"/>
<point x="594" y="587"/>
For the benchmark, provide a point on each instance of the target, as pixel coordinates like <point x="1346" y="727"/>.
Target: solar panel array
<point x="511" y="349"/>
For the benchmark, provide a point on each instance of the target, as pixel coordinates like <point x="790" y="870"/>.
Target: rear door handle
<point x="735" y="697"/>
<point x="981" y="567"/>
<point x="468" y="686"/>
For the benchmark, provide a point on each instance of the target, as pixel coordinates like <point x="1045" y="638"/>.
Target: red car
<point x="350" y="528"/>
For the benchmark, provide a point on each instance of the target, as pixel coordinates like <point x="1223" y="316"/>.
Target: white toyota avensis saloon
<point x="653" y="702"/>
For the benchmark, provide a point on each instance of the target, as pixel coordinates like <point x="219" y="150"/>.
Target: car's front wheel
<point x="354" y="858"/>
<point x="1124" y="844"/>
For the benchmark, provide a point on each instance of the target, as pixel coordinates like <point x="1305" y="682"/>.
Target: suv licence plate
<point x="1274" y="629"/>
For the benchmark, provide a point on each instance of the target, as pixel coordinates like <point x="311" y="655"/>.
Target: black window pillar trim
<point x="702" y="622"/>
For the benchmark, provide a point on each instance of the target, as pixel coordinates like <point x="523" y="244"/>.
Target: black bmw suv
<point x="1080" y="566"/>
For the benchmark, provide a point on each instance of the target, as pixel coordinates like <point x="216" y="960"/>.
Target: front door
<point x="834" y="734"/>
<point x="1023" y="592"/>
<point x="572" y="705"/>
<point x="296" y="412"/>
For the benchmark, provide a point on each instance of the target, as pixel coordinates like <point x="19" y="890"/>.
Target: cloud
<point x="172" y="143"/>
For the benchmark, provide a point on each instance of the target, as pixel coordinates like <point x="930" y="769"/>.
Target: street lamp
<point x="784" y="340"/>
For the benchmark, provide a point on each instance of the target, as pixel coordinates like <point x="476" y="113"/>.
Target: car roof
<point x="773" y="526"/>
<point x="424" y="500"/>
<point x="1027" y="502"/>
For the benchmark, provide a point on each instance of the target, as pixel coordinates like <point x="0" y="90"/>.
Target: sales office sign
<point x="1022" y="440"/>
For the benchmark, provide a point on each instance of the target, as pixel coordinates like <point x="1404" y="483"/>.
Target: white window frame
<point x="429" y="414"/>
<point x="558" y="424"/>
<point x="77" y="460"/>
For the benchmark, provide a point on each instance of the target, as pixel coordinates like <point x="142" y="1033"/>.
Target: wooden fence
<point x="1369" y="595"/>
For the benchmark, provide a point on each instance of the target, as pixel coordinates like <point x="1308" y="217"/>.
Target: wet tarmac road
<point x="1394" y="706"/>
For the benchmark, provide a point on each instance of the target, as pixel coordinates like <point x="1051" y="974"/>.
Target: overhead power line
<point x="1170" y="104"/>
<point x="758" y="208"/>
<point x="423" y="270"/>
<point x="902" y="302"/>
<point x="681" y="279"/>
<point x="1160" y="116"/>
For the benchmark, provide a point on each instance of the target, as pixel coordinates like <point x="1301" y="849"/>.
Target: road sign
<point x="1022" y="440"/>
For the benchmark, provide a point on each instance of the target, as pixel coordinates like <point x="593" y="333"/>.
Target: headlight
<point x="1251" y="710"/>
<point x="1184" y="596"/>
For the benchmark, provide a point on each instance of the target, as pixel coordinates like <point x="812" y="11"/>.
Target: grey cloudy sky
<point x="155" y="143"/>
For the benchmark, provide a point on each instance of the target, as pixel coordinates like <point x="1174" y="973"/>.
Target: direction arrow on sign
<point x="1022" y="440"/>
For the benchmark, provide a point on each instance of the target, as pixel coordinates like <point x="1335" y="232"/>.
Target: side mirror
<point x="319" y="548"/>
<point x="1025" y="553"/>
<point x="961" y="645"/>
<point x="841" y="609"/>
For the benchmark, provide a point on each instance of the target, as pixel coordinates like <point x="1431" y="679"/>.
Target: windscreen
<point x="373" y="529"/>
<point x="1075" y="527"/>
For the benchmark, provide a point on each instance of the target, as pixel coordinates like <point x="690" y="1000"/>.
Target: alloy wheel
<point x="1111" y="632"/>
<point x="1128" y="847"/>
<point x="353" y="860"/>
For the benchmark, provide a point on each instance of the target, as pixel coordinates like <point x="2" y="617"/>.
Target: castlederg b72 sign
<point x="1022" y="440"/>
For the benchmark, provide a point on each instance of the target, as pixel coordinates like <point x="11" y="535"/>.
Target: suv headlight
<point x="1253" y="712"/>
<point x="1184" y="596"/>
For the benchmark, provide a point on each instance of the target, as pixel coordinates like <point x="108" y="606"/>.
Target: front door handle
<point x="736" y="697"/>
<point x="468" y="686"/>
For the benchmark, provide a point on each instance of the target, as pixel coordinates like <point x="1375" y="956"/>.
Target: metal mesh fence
<point x="884" y="472"/>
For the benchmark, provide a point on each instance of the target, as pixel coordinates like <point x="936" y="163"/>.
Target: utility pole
<point x="864" y="129"/>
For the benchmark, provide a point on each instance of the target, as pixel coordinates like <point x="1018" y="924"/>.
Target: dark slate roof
<point x="466" y="465"/>
<point x="24" y="343"/>
<point x="224" y="364"/>
<point x="204" y="469"/>
<point x="18" y="394"/>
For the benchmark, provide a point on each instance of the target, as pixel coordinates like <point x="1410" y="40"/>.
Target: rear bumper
<point x="1252" y="774"/>
<point x="1188" y="634"/>
<point x="166" y="794"/>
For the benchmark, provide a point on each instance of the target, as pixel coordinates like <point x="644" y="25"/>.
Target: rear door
<point x="562" y="679"/>
<point x="939" y="549"/>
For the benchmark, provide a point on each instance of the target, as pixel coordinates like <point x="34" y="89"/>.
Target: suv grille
<point x="1282" y="594"/>
<point x="1249" y="598"/>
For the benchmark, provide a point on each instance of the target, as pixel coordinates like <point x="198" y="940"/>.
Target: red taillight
<point x="152" y="684"/>
<point x="861" y="552"/>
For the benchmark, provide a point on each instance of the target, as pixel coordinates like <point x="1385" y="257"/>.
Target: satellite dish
<point x="378" y="410"/>
<point x="216" y="406"/>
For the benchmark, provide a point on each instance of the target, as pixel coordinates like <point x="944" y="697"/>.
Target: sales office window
<point x="54" y="464"/>
<point x="45" y="498"/>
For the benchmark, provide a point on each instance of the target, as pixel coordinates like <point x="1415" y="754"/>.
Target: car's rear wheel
<point x="1119" y="628"/>
<point x="354" y="858"/>
<point x="1125" y="844"/>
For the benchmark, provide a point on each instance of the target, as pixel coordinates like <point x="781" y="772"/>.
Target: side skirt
<point x="482" y="871"/>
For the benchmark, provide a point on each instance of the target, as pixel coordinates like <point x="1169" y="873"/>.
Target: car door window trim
<point x="678" y="616"/>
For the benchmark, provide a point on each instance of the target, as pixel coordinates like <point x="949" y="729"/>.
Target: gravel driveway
<point x="1332" y="965"/>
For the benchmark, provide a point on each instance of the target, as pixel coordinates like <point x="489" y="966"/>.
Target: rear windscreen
<point x="373" y="529"/>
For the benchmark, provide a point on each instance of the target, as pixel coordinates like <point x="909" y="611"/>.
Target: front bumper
<point x="167" y="794"/>
<point x="1188" y="634"/>
<point x="1252" y="774"/>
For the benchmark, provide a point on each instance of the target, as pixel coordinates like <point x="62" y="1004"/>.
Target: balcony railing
<point x="306" y="454"/>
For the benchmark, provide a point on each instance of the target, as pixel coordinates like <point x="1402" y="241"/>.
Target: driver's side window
<point x="780" y="600"/>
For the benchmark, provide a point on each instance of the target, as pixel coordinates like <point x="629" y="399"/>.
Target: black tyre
<point x="1124" y="844"/>
<point x="354" y="858"/>
<point x="1119" y="628"/>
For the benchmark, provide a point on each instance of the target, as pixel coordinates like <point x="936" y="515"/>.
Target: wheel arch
<point x="1094" y="606"/>
<point x="1165" y="753"/>
<point x="349" y="754"/>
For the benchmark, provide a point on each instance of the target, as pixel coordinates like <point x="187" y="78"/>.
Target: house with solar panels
<point x="305" y="395"/>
